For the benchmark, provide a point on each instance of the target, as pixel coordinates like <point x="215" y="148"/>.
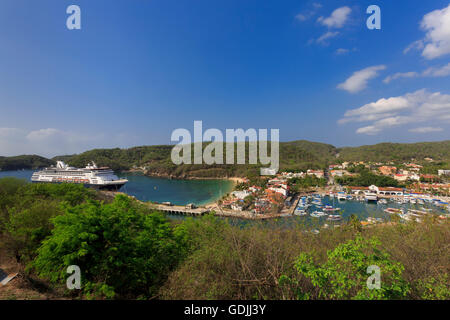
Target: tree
<point x="355" y="223"/>
<point x="27" y="228"/>
<point x="121" y="248"/>
<point x="343" y="275"/>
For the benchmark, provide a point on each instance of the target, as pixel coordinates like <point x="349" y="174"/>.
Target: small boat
<point x="341" y="196"/>
<point x="300" y="212"/>
<point x="393" y="210"/>
<point x="334" y="217"/>
<point x="418" y="211"/>
<point x="330" y="208"/>
<point x="374" y="220"/>
<point x="318" y="214"/>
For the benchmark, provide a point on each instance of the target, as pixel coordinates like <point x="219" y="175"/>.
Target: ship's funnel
<point x="61" y="165"/>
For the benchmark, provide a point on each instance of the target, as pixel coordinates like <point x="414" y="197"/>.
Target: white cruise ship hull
<point x="91" y="176"/>
<point x="115" y="186"/>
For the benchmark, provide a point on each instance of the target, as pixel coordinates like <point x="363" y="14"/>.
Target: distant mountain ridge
<point x="24" y="162"/>
<point x="294" y="155"/>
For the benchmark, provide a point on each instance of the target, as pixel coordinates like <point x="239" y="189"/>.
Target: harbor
<point x="319" y="208"/>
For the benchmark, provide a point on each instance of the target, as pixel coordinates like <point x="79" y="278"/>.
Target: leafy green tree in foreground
<point x="122" y="250"/>
<point x="344" y="274"/>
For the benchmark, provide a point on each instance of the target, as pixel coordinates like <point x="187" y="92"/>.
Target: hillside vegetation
<point x="295" y="155"/>
<point x="24" y="162"/>
<point x="397" y="152"/>
<point x="127" y="250"/>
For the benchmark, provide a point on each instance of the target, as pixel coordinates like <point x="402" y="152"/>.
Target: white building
<point x="236" y="207"/>
<point x="279" y="190"/>
<point x="241" y="194"/>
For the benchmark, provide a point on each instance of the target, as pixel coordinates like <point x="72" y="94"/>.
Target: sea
<point x="201" y="192"/>
<point x="145" y="188"/>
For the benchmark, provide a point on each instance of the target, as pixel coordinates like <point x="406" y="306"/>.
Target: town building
<point x="387" y="170"/>
<point x="241" y="194"/>
<point x="443" y="172"/>
<point x="401" y="177"/>
<point x="387" y="191"/>
<point x="317" y="173"/>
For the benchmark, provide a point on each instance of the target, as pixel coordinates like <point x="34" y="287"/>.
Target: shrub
<point x="121" y="249"/>
<point x="343" y="275"/>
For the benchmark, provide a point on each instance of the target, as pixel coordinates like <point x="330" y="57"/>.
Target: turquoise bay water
<point x="199" y="192"/>
<point x="144" y="188"/>
<point x="178" y="192"/>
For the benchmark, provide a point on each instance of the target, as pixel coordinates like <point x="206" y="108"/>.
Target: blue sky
<point x="138" y="69"/>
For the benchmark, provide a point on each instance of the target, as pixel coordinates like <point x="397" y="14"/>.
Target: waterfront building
<point x="385" y="191"/>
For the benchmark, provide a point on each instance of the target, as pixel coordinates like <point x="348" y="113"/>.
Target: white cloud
<point x="342" y="51"/>
<point x="337" y="19"/>
<point x="436" y="25"/>
<point x="419" y="44"/>
<point x="327" y="35"/>
<point x="308" y="14"/>
<point x="417" y="107"/>
<point x="358" y="80"/>
<point x="370" y="130"/>
<point x="437" y="72"/>
<point x="426" y="129"/>
<point x="303" y="16"/>
<point x="400" y="75"/>
<point x="50" y="142"/>
<point x="430" y="72"/>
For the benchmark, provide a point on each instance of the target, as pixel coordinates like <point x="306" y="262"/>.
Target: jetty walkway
<point x="182" y="210"/>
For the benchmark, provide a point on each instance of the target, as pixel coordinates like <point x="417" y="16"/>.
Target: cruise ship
<point x="91" y="176"/>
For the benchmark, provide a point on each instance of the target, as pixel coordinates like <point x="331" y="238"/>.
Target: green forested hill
<point x="295" y="155"/>
<point x="397" y="152"/>
<point x="24" y="162"/>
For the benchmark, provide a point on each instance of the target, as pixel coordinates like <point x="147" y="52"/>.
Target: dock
<point x="182" y="210"/>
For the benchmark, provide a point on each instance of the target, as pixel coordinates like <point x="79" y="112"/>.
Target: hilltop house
<point x="317" y="173"/>
<point x="339" y="173"/>
<point x="401" y="177"/>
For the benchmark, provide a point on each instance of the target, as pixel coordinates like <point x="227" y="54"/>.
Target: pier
<point x="182" y="210"/>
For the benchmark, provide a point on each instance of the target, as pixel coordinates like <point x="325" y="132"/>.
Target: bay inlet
<point x="145" y="188"/>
